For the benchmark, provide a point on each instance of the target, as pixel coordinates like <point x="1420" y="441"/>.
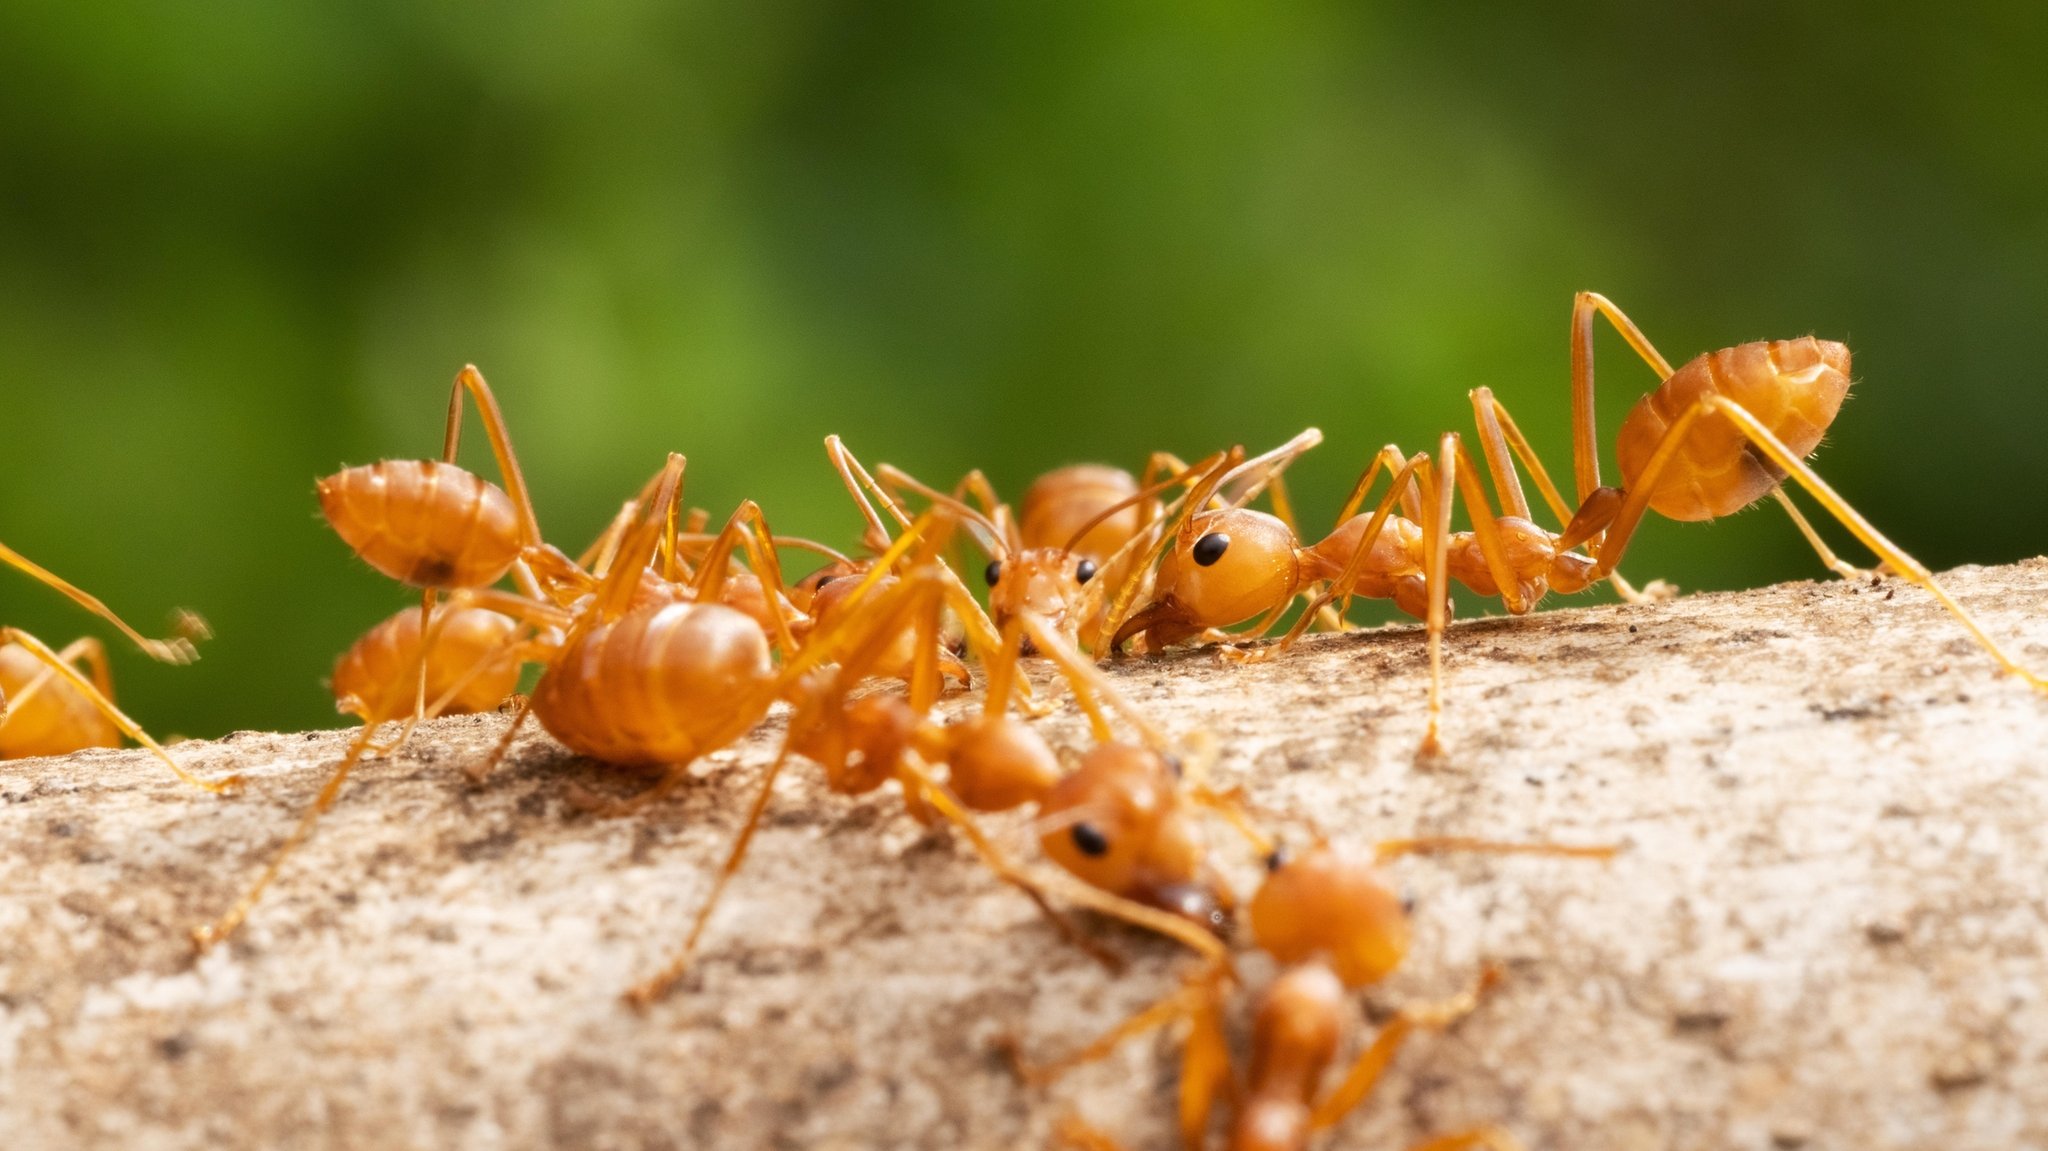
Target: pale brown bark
<point x="1827" y="931"/>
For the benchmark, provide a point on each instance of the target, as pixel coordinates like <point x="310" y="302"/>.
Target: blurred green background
<point x="243" y="244"/>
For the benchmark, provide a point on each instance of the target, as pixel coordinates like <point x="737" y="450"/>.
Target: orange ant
<point x="1068" y="580"/>
<point x="1334" y="926"/>
<point x="603" y="639"/>
<point x="48" y="706"/>
<point x="1718" y="434"/>
<point x="1116" y="822"/>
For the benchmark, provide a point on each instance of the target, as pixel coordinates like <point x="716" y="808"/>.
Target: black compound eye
<point x="1278" y="859"/>
<point x="992" y="572"/>
<point x="1090" y="840"/>
<point x="1084" y="571"/>
<point x="1210" y="548"/>
<point x="822" y="581"/>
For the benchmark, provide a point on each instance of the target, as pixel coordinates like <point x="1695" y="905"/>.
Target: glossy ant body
<point x="1718" y="434"/>
<point x="1121" y="821"/>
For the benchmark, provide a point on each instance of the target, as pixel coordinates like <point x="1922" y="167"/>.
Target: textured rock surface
<point x="1828" y="930"/>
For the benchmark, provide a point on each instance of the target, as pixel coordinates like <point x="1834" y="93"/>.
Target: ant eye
<point x="822" y="581"/>
<point x="1277" y="860"/>
<point x="992" y="571"/>
<point x="1090" y="840"/>
<point x="1210" y="548"/>
<point x="1084" y="571"/>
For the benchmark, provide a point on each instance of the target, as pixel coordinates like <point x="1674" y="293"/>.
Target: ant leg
<point x="935" y="796"/>
<point x="1585" y="434"/>
<point x="1437" y="492"/>
<point x="1340" y="587"/>
<point x="472" y="381"/>
<point x="176" y="650"/>
<point x="650" y="991"/>
<point x="1204" y="1068"/>
<point x="1889" y="553"/>
<point x="1391" y="849"/>
<point x="1491" y="1137"/>
<point x="1087" y="683"/>
<point x="1185" y="1000"/>
<point x="597" y="558"/>
<point x="853" y="475"/>
<point x="1179" y="532"/>
<point x="1371" y="1063"/>
<point x="61" y="668"/>
<point x="1077" y="1134"/>
<point x="87" y="650"/>
<point x="1494" y="423"/>
<point x="1265" y="470"/>
<point x="976" y="484"/>
<point x="636" y="550"/>
<point x="748" y="529"/>
<point x="205" y="937"/>
<point x="1827" y="554"/>
<point x="1485" y="528"/>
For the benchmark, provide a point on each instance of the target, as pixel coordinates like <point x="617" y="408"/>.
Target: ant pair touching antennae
<point x="1334" y="926"/>
<point x="49" y="706"/>
<point x="1718" y="434"/>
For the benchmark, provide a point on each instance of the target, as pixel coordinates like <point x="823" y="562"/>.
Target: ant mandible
<point x="1718" y="434"/>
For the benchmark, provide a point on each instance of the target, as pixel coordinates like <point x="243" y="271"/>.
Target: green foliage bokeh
<point x="242" y="244"/>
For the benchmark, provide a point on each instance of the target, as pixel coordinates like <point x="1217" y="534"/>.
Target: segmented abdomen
<point x="1794" y="387"/>
<point x="1060" y="503"/>
<point x="56" y="720"/>
<point x="661" y="685"/>
<point x="376" y="678"/>
<point x="424" y="522"/>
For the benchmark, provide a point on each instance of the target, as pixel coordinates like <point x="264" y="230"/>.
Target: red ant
<point x="1718" y="434"/>
<point x="1334" y="926"/>
<point x="1117" y="822"/>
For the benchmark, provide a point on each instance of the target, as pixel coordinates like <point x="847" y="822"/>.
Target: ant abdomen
<point x="658" y="686"/>
<point x="997" y="763"/>
<point x="376" y="678"/>
<point x="1794" y="387"/>
<point x="56" y="720"/>
<point x="1061" y="502"/>
<point x="424" y="522"/>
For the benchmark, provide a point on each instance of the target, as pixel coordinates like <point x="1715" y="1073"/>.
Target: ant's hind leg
<point x="650" y="991"/>
<point x="1834" y="563"/>
<point x="1371" y="1063"/>
<point x="1890" y="554"/>
<point x="472" y="381"/>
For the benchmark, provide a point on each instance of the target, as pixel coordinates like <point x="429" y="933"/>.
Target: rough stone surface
<point x="1827" y="931"/>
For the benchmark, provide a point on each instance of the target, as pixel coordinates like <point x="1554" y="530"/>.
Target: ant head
<point x="998" y="762"/>
<point x="1117" y="822"/>
<point x="1046" y="581"/>
<point x="1227" y="566"/>
<point x="1329" y="904"/>
<point x="804" y="592"/>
